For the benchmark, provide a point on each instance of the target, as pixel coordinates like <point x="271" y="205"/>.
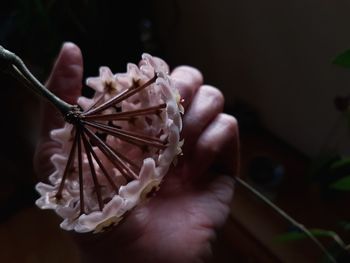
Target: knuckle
<point x="207" y="147"/>
<point x="214" y="94"/>
<point x="230" y="123"/>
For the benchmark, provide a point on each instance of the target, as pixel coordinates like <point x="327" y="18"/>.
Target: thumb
<point x="65" y="81"/>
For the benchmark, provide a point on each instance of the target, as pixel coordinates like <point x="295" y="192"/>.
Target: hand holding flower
<point x="179" y="223"/>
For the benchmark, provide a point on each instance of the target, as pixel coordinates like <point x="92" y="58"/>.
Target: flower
<point x="116" y="152"/>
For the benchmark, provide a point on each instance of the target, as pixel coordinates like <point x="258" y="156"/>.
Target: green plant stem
<point x="11" y="63"/>
<point x="283" y="214"/>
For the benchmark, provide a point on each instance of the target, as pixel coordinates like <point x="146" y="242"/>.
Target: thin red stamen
<point x="68" y="166"/>
<point x="120" y="97"/>
<point x="127" y="114"/>
<point x="131" y="137"/>
<point x="80" y="168"/>
<point x="125" y="159"/>
<point x="93" y="173"/>
<point x="130" y="133"/>
<point x="104" y="170"/>
<point x="96" y="103"/>
<point x="121" y="166"/>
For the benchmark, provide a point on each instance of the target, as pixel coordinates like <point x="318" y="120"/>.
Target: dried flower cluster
<point x="116" y="151"/>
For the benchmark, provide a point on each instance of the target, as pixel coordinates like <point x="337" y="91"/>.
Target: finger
<point x="187" y="81"/>
<point x="66" y="82"/>
<point x="217" y="147"/>
<point x="206" y="105"/>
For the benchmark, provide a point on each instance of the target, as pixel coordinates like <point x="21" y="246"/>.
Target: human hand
<point x="179" y="223"/>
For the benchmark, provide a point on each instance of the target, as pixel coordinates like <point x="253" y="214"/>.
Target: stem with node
<point x="12" y="64"/>
<point x="287" y="217"/>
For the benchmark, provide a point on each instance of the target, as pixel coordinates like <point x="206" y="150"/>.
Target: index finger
<point x="187" y="81"/>
<point x="65" y="81"/>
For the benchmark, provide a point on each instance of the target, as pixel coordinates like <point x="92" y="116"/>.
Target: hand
<point x="180" y="222"/>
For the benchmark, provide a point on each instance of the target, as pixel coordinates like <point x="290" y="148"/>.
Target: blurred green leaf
<point x="291" y="236"/>
<point x="294" y="235"/>
<point x="343" y="184"/>
<point x="345" y="225"/>
<point x="347" y="119"/>
<point x="345" y="161"/>
<point x="321" y="164"/>
<point x="343" y="59"/>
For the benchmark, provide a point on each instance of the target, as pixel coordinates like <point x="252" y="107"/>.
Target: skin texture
<point x="180" y="222"/>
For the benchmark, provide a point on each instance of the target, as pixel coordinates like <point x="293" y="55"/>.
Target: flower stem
<point x="93" y="172"/>
<point x="130" y="137"/>
<point x="287" y="217"/>
<point x="111" y="155"/>
<point x="127" y="115"/>
<point x="80" y="170"/>
<point x="100" y="164"/>
<point x="11" y="63"/>
<point x="121" y="96"/>
<point x="68" y="167"/>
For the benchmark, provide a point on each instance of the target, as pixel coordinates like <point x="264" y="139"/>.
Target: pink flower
<point x="126" y="138"/>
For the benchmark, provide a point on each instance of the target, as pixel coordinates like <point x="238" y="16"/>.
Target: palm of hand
<point x="178" y="224"/>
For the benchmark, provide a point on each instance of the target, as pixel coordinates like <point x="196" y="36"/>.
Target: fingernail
<point x="188" y="73"/>
<point x="70" y="53"/>
<point x="68" y="44"/>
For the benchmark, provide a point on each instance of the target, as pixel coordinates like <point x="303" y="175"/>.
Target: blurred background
<point x="271" y="59"/>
